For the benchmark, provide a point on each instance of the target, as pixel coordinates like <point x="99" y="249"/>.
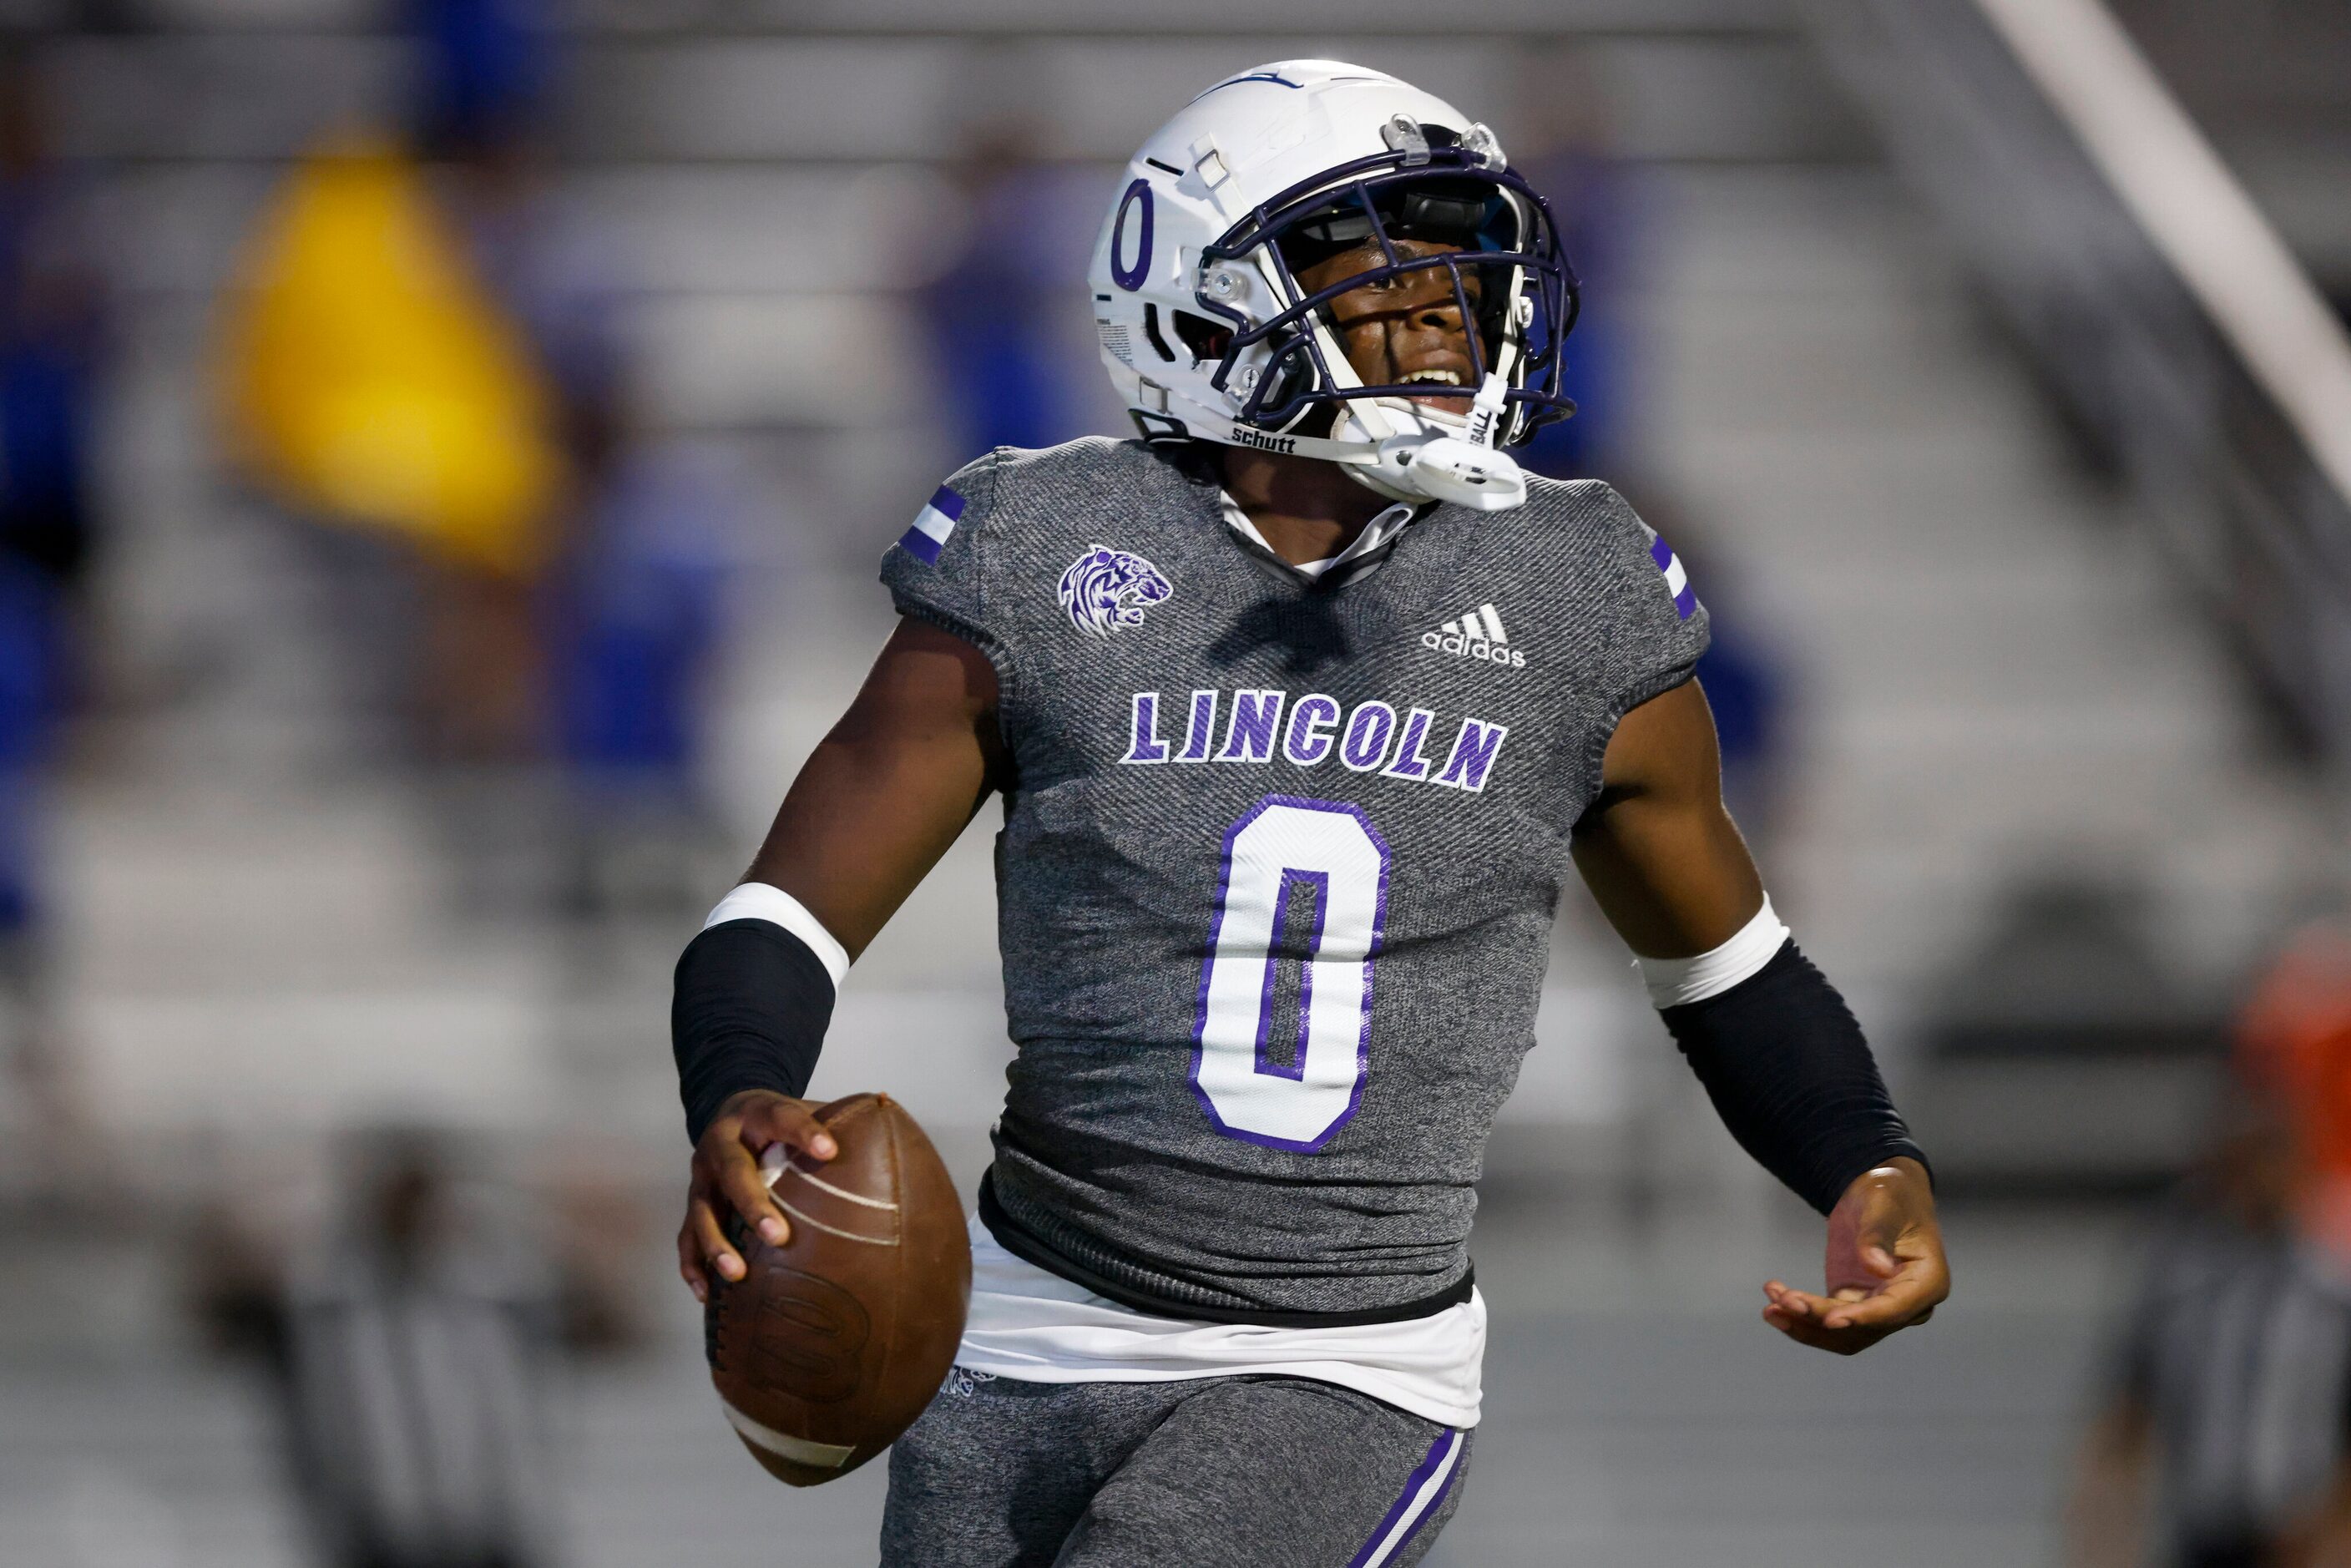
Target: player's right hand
<point x="727" y="1175"/>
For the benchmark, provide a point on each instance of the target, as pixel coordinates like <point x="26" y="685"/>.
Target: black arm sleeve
<point x="1784" y="1062"/>
<point x="749" y="1012"/>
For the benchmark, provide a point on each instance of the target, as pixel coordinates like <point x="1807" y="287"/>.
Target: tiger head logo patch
<point x="1105" y="588"/>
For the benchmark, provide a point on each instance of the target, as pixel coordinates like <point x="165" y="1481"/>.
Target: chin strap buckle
<point x="1463" y="473"/>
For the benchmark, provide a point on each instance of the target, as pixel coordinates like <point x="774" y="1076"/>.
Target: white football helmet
<point x="1209" y="336"/>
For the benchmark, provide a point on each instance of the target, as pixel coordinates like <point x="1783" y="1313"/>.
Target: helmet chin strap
<point x="1421" y="454"/>
<point x="1433" y="463"/>
<point x="1429" y="459"/>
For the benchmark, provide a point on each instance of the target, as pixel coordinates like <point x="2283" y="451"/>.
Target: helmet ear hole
<point x="1208" y="340"/>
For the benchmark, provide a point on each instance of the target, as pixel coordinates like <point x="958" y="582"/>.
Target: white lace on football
<point x="799" y="1450"/>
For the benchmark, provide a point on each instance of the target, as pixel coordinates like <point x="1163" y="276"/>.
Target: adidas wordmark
<point x="1477" y="635"/>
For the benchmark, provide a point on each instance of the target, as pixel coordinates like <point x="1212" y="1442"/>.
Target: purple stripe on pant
<point x="1438" y="1452"/>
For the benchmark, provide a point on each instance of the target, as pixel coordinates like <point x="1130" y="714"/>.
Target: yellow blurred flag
<point x="371" y="379"/>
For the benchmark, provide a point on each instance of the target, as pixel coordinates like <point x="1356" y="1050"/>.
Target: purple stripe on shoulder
<point x="1686" y="601"/>
<point x="1413" y="1483"/>
<point x="1661" y="552"/>
<point x="921" y="546"/>
<point x="948" y="502"/>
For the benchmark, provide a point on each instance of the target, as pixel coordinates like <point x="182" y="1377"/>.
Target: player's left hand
<point x="1885" y="1267"/>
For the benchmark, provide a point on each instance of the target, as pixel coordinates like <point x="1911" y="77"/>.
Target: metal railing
<point x="2153" y="295"/>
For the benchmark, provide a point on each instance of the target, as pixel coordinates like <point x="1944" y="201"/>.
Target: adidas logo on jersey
<point x="1477" y="635"/>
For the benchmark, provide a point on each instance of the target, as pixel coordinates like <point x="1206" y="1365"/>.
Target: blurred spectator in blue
<point x="598" y="666"/>
<point x="52" y="341"/>
<point x="53" y="354"/>
<point x="1562" y="142"/>
<point x="1000" y="312"/>
<point x="487" y="68"/>
<point x="2225" y="1437"/>
<point x="633" y="609"/>
<point x="486" y="79"/>
<point x="624" y="625"/>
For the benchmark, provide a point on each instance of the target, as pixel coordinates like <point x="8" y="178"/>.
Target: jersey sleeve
<point x="937" y="570"/>
<point x="1664" y="628"/>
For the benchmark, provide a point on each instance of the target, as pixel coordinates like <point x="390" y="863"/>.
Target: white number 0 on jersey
<point x="1283" y="848"/>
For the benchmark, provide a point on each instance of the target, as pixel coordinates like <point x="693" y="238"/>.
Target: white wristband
<point x="1673" y="982"/>
<point x="758" y="901"/>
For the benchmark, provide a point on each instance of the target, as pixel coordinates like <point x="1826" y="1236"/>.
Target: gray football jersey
<point x="1281" y="859"/>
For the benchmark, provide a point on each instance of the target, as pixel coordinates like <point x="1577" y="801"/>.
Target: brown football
<point x="830" y="1344"/>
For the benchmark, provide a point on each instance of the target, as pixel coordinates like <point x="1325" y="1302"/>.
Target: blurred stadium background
<point x="444" y="454"/>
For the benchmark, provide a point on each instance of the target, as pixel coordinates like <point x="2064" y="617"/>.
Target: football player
<point x="1301" y="706"/>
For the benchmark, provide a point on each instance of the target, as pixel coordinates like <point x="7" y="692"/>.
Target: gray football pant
<point x="1218" y="1472"/>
